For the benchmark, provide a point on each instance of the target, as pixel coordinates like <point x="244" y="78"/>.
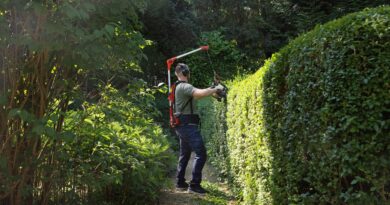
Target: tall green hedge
<point x="312" y="126"/>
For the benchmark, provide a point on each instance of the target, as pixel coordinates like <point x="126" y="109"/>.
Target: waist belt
<point x="189" y="119"/>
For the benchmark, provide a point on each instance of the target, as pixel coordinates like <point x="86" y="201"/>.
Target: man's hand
<point x="217" y="91"/>
<point x="219" y="87"/>
<point x="220" y="91"/>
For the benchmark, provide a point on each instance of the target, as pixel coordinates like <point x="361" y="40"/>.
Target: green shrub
<point x="312" y="125"/>
<point x="118" y="155"/>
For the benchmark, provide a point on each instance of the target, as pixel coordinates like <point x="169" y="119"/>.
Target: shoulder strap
<point x="174" y="94"/>
<point x="185" y="105"/>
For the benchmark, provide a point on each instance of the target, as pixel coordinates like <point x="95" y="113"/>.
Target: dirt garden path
<point x="218" y="192"/>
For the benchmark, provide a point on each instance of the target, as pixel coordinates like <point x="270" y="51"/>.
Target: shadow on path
<point x="218" y="192"/>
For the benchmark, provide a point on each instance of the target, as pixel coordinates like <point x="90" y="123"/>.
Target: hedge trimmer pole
<point x="172" y="60"/>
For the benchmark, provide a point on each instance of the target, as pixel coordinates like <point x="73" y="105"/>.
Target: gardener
<point x="188" y="130"/>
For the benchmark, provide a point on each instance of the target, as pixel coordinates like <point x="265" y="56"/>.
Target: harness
<point x="176" y="117"/>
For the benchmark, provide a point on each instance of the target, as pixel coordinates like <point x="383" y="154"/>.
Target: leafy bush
<point x="118" y="155"/>
<point x="312" y="125"/>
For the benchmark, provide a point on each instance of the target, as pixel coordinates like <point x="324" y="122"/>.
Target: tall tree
<point x="46" y="46"/>
<point x="171" y="26"/>
<point x="309" y="13"/>
<point x="261" y="27"/>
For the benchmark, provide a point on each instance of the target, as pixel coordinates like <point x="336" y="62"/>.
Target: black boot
<point x="182" y="185"/>
<point x="196" y="188"/>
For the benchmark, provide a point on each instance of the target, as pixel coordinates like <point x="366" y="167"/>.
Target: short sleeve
<point x="188" y="89"/>
<point x="183" y="95"/>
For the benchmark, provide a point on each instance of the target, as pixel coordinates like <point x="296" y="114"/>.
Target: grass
<point x="218" y="195"/>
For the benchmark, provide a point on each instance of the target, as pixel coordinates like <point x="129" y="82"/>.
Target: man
<point x="188" y="130"/>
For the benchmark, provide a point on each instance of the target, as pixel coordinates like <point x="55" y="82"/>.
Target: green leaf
<point x="89" y="121"/>
<point x="110" y="29"/>
<point x="22" y="114"/>
<point x="39" y="129"/>
<point x="68" y="136"/>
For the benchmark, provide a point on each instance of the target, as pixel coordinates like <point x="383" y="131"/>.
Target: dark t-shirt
<point x="182" y="95"/>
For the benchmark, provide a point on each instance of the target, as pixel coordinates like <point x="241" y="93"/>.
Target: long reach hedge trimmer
<point x="172" y="60"/>
<point x="171" y="94"/>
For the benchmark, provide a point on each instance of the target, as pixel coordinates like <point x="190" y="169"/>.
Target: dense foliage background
<point x="81" y="118"/>
<point x="65" y="137"/>
<point x="312" y="125"/>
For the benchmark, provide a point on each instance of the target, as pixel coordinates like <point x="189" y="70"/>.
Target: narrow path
<point x="218" y="192"/>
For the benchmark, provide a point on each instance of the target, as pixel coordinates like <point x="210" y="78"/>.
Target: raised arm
<point x="201" y="93"/>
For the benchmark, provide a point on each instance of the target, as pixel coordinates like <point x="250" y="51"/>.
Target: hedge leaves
<point x="312" y="125"/>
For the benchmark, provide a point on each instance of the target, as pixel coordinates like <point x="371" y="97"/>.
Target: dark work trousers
<point x="190" y="140"/>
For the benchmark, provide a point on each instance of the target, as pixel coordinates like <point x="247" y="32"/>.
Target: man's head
<point x="182" y="71"/>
